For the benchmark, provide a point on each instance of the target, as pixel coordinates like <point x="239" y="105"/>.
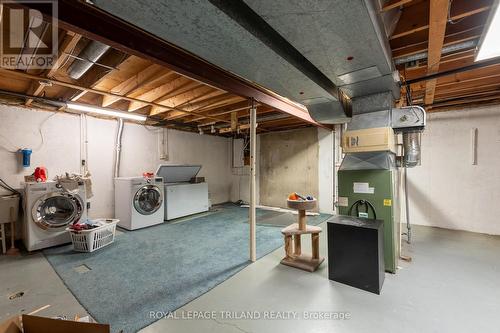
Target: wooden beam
<point x="198" y="106"/>
<point x="463" y="105"/>
<point x="160" y="91"/>
<point x="65" y="48"/>
<point x="415" y="18"/>
<point x="460" y="69"/>
<point x="438" y="15"/>
<point x="391" y="4"/>
<point x="182" y="97"/>
<point x="97" y="91"/>
<point x="468" y="80"/>
<point x="243" y="114"/>
<point x="226" y="109"/>
<point x="462" y="36"/>
<point x="456" y="101"/>
<point x="96" y="74"/>
<point x="130" y="86"/>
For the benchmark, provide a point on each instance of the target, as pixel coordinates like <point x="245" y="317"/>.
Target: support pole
<point x="253" y="145"/>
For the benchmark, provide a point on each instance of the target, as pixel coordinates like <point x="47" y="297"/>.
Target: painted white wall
<point x="447" y="190"/>
<point x="19" y="127"/>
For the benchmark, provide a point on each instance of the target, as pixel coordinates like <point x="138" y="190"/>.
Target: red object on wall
<point x="41" y="174"/>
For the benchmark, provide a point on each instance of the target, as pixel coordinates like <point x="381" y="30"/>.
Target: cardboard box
<point x="35" y="324"/>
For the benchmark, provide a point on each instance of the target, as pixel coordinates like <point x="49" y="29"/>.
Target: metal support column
<point x="253" y="145"/>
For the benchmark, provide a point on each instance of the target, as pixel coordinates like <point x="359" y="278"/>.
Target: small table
<point x="293" y="252"/>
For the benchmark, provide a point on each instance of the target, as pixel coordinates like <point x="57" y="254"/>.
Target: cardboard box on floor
<point x="35" y="324"/>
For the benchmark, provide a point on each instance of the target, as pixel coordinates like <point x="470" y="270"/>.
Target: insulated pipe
<point x="90" y="54"/>
<point x="118" y="147"/>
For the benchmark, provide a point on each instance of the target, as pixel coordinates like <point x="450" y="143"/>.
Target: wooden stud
<point x="234" y="121"/>
<point x="315" y="246"/>
<point x="297" y="245"/>
<point x="288" y="246"/>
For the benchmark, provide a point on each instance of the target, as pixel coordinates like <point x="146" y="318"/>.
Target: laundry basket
<point x="94" y="239"/>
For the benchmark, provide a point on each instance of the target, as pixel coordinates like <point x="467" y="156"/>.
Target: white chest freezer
<point x="182" y="198"/>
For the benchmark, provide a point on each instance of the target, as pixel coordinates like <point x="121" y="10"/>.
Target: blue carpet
<point x="161" y="268"/>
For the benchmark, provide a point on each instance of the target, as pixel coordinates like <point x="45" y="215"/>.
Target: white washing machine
<point x="49" y="209"/>
<point x="139" y="202"/>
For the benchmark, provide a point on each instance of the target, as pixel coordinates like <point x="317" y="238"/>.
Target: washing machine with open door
<point x="49" y="210"/>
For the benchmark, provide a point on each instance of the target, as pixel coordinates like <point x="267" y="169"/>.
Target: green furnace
<point x="373" y="193"/>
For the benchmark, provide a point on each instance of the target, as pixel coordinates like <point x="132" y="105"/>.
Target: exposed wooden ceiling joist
<point x="96" y="91"/>
<point x="415" y="18"/>
<point x="68" y="44"/>
<point x="137" y="81"/>
<point x="391" y="4"/>
<point x="437" y="27"/>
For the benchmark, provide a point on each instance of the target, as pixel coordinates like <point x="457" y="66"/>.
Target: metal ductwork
<point x="317" y="53"/>
<point x="89" y="55"/>
<point x="371" y="134"/>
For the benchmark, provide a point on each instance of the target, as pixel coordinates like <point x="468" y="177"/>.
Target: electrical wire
<point x="40" y="130"/>
<point x="6" y="186"/>
<point x="409" y="99"/>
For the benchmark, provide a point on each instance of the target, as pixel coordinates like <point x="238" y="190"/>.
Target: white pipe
<point x="118" y="148"/>
<point x="473" y="143"/>
<point x="84" y="155"/>
<point x="407" y="207"/>
<point x="252" y="211"/>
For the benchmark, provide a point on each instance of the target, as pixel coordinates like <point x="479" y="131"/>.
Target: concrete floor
<point x="451" y="285"/>
<point x="33" y="275"/>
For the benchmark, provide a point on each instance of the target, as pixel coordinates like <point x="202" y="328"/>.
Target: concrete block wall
<point x="298" y="160"/>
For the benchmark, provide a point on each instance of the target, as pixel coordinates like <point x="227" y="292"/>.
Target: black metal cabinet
<point x="356" y="252"/>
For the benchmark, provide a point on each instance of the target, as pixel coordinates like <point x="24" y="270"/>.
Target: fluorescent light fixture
<point x="489" y="45"/>
<point x="105" y="112"/>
